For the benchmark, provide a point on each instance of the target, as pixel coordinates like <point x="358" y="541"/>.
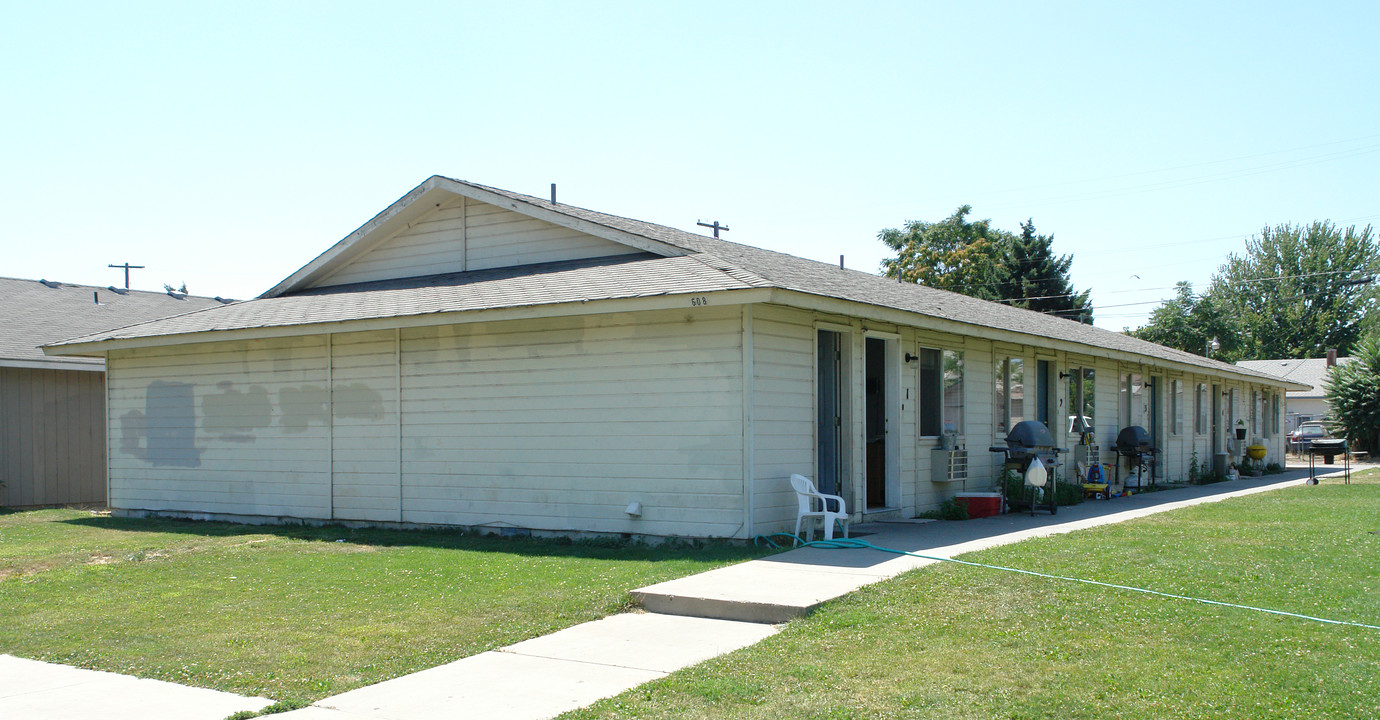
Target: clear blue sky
<point x="226" y="144"/>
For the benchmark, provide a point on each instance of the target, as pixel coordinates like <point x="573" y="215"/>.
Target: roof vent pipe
<point x="840" y="262"/>
<point x="553" y="193"/>
<point x="1332" y="357"/>
<point x="95" y="297"/>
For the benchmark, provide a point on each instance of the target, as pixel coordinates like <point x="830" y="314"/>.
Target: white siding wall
<point x="237" y="427"/>
<point x="502" y="238"/>
<point x="466" y="235"/>
<point x="784" y="411"/>
<point x="559" y="424"/>
<point x="364" y="403"/>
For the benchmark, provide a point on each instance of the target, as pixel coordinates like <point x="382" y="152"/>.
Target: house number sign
<point x="699" y="301"/>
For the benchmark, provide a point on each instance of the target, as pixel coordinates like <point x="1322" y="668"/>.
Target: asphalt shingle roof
<point x="623" y="276"/>
<point x="711" y="264"/>
<point x="34" y="313"/>
<point x="1308" y="372"/>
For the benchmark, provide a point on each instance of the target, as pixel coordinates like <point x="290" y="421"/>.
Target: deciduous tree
<point x="1296" y="291"/>
<point x="954" y="254"/>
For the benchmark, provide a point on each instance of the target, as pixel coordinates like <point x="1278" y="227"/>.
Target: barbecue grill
<point x="1134" y="444"/>
<point x="1028" y="440"/>
<point x="1328" y="448"/>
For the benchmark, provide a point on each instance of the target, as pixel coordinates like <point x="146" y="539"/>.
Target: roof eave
<point x="671" y="301"/>
<point x="899" y="316"/>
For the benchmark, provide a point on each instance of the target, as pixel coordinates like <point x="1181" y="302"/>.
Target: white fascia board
<point x="525" y="312"/>
<point x="427" y="197"/>
<point x="63" y="364"/>
<point x="894" y="316"/>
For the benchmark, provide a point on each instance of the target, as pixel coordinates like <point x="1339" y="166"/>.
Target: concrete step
<point x="773" y="590"/>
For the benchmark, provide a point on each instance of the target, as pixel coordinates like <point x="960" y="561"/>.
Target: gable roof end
<point x="431" y="194"/>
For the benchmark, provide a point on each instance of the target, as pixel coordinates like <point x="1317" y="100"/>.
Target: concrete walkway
<point x="789" y="585"/>
<point x="33" y="690"/>
<point x="688" y="621"/>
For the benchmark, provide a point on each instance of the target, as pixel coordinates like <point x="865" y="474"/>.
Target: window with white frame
<point x="953" y="390"/>
<point x="1008" y="394"/>
<point x="1082" y="400"/>
<point x="1132" y="400"/>
<point x="941" y="392"/>
<point x="1176" y="401"/>
<point x="1200" y="410"/>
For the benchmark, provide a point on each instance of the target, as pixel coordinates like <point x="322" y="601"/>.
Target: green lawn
<point x="950" y="641"/>
<point x="295" y="613"/>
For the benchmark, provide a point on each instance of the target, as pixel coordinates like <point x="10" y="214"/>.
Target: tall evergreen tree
<point x="1037" y="279"/>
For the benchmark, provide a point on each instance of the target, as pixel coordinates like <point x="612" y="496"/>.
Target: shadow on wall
<point x="164" y="434"/>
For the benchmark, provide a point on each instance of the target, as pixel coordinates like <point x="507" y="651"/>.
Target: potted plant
<point x="1240" y="429"/>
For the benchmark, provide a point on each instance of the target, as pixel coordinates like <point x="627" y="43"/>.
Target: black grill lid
<point x="1133" y="438"/>
<point x="1029" y="434"/>
<point x="1323" y="446"/>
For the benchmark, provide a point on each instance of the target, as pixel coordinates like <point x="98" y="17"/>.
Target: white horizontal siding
<point x="783" y="411"/>
<point x="559" y="424"/>
<point x="236" y="427"/>
<point x="467" y="235"/>
<point x="364" y="402"/>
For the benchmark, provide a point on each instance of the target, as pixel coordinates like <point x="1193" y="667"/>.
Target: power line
<point x="1185" y="167"/>
<point x="1189" y="182"/>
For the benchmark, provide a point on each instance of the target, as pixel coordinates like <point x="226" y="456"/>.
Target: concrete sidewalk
<point x="689" y="620"/>
<point x="789" y="585"/>
<point x="33" y="690"/>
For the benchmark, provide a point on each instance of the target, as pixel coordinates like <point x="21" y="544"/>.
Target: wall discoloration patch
<point x="164" y="433"/>
<point x="234" y="415"/>
<point x="303" y="406"/>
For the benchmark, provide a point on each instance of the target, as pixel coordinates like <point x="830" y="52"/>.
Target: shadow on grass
<point x="443" y="538"/>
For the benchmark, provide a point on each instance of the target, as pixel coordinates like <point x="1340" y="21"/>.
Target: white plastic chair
<point x="809" y="498"/>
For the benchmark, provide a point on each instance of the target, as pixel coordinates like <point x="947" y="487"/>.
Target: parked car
<point x="1304" y="435"/>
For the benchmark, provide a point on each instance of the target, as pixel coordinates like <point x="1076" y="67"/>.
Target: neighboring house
<point x="1303" y="405"/>
<point x="477" y="357"/>
<point x="52" y="409"/>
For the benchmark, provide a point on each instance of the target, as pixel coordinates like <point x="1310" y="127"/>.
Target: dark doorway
<point x="829" y="420"/>
<point x="1042" y="393"/>
<point x="875" y="401"/>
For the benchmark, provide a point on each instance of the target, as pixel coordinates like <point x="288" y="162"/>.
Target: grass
<point x="950" y="641"/>
<point x="299" y="613"/>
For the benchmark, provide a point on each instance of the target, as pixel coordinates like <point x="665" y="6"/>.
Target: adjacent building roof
<point x="1311" y="372"/>
<point x="674" y="262"/>
<point x="37" y="312"/>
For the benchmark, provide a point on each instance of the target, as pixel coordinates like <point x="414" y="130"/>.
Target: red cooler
<point x="980" y="504"/>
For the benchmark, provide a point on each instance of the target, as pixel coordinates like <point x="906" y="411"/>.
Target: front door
<point x="829" y="415"/>
<point x="1216" y="420"/>
<point x="875" y="409"/>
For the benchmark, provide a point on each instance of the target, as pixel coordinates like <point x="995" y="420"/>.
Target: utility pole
<point x="717" y="227"/>
<point x="127" y="267"/>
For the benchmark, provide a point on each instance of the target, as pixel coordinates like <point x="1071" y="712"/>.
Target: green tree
<point x="1032" y="272"/>
<point x="1353" y="389"/>
<point x="1193" y="324"/>
<point x="1298" y="290"/>
<point x="1293" y="293"/>
<point x="953" y="254"/>
<point x="974" y="258"/>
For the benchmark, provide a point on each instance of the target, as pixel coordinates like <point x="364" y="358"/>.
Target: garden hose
<point x="853" y="544"/>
